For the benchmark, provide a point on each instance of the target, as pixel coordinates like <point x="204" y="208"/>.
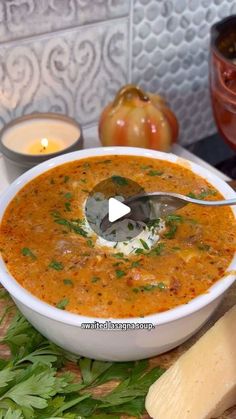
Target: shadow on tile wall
<point x="170" y="56"/>
<point x="68" y="56"/>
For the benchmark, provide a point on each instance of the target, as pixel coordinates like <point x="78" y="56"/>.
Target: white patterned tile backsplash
<point x="20" y="18"/>
<point x="170" y="56"/>
<point x="76" y="72"/>
<point x="71" y="56"/>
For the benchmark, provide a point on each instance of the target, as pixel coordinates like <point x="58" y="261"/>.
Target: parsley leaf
<point x="27" y="252"/>
<point x="171" y="221"/>
<point x="150" y="287"/>
<point x="175" y="217"/>
<point x="139" y="251"/>
<point x="58" y="266"/>
<point x="68" y="195"/>
<point x="155" y="173"/>
<point x="135" y="264"/>
<point x="72" y="225"/>
<point x="172" y="231"/>
<point x="68" y="281"/>
<point x="90" y="243"/>
<point x="32" y="383"/>
<point x="120" y="180"/>
<point x="157" y="251"/>
<point x="203" y="194"/>
<point x="145" y="245"/>
<point x="62" y="303"/>
<point x="120" y="273"/>
<point x="119" y="255"/>
<point x="95" y="279"/>
<point x="68" y="206"/>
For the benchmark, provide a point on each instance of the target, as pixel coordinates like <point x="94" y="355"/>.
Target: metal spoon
<point x="160" y="204"/>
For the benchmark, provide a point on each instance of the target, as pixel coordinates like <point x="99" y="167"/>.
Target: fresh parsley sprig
<point x="34" y="386"/>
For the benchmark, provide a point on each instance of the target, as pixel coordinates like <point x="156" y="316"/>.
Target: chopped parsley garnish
<point x="176" y="248"/>
<point x="150" y="287"/>
<point x="135" y="264"/>
<point x="66" y="179"/>
<point x="203" y="194"/>
<point x="174" y="217"/>
<point x="139" y="251"/>
<point x="72" y="225"/>
<point x="95" y="279"/>
<point x="67" y="206"/>
<point x="171" y="221"/>
<point x="119" y="255"/>
<point x="120" y="273"/>
<point x="144" y="244"/>
<point x="68" y="195"/>
<point x="68" y="281"/>
<point x="90" y="243"/>
<point x="27" y="252"/>
<point x="118" y="263"/>
<point x="152" y="224"/>
<point x="120" y="180"/>
<point x="172" y="230"/>
<point x="58" y="266"/>
<point x="130" y="226"/>
<point x="62" y="303"/>
<point x="157" y="251"/>
<point x="83" y="180"/>
<point x="155" y="173"/>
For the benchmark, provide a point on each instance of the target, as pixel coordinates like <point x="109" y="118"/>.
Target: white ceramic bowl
<point x="171" y="327"/>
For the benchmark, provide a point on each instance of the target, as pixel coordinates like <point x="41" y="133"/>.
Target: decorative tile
<point x="170" y="56"/>
<point x="75" y="73"/>
<point x="21" y="18"/>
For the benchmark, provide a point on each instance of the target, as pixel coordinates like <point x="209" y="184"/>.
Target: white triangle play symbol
<point x="116" y="209"/>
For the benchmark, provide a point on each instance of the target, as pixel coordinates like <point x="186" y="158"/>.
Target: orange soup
<point x="50" y="251"/>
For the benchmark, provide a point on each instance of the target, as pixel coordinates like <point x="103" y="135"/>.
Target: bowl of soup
<point x="111" y="300"/>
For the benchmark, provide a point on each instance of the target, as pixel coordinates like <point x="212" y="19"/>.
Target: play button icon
<point x="107" y="202"/>
<point x="116" y="210"/>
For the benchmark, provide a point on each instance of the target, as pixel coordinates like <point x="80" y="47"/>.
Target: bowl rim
<point x="33" y="303"/>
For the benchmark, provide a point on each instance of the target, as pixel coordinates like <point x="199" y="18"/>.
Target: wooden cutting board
<point x="165" y="360"/>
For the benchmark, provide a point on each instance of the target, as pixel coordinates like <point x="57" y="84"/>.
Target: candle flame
<point x="44" y="142"/>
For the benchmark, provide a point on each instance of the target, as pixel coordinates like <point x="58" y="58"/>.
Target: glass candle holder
<point x="37" y="137"/>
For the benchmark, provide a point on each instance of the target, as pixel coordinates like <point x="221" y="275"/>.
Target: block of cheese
<point x="202" y="383"/>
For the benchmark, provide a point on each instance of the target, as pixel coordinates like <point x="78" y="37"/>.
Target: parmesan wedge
<point x="202" y="383"/>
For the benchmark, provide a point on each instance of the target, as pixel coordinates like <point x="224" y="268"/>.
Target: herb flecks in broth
<point x="72" y="225"/>
<point x="205" y="193"/>
<point x="54" y="256"/>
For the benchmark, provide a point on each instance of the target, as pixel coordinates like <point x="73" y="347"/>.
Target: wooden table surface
<point x="165" y="360"/>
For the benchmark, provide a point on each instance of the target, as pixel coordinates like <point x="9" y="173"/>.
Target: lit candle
<point x="45" y="146"/>
<point x="34" y="138"/>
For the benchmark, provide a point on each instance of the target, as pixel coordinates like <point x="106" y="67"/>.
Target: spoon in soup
<point x="160" y="204"/>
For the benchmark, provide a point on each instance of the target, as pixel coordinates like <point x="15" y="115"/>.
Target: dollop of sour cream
<point x="146" y="240"/>
<point x="148" y="236"/>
